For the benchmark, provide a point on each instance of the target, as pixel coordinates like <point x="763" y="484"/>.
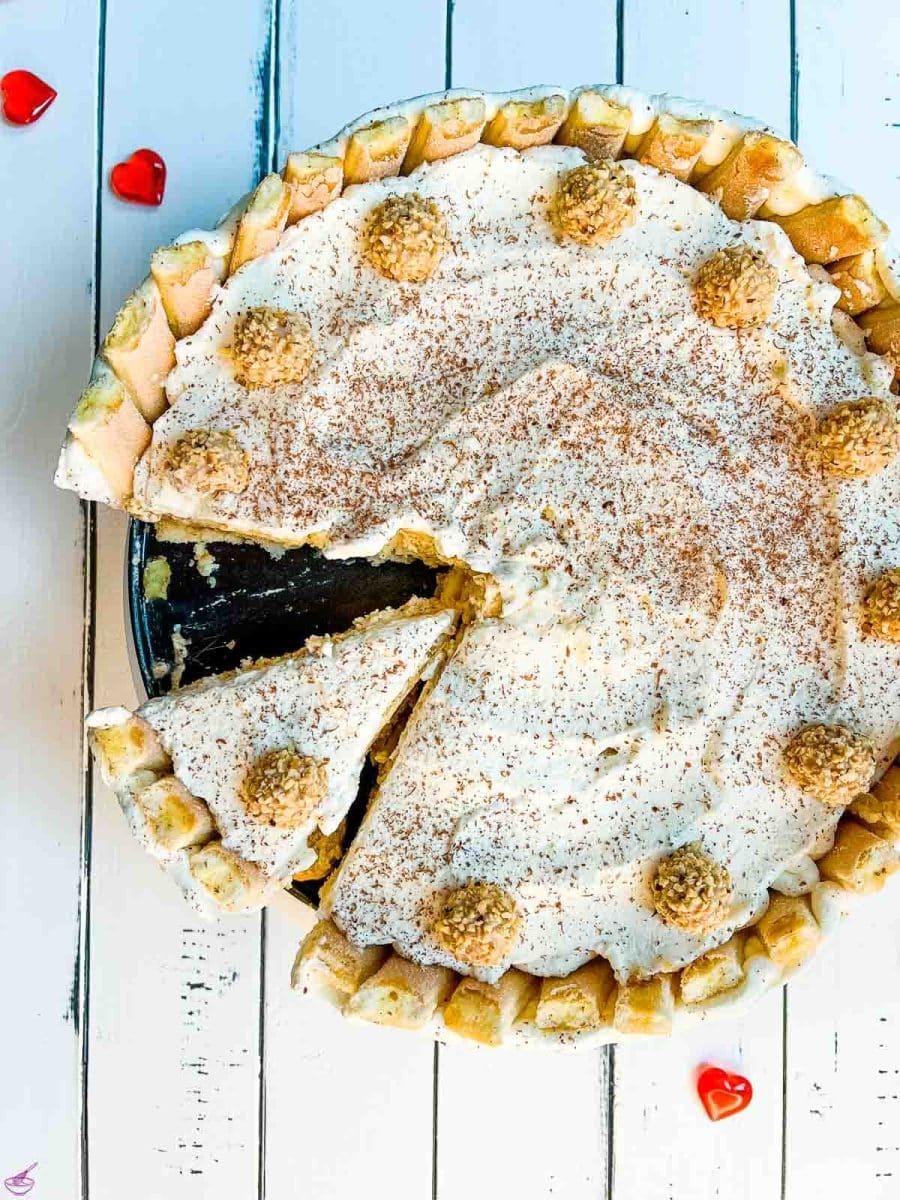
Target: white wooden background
<point x="145" y="1054"/>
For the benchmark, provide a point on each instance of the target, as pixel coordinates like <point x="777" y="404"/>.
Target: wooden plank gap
<point x="80" y="1001"/>
<point x="275" y="82"/>
<point x="261" y="1148"/>
<point x="795" y="71"/>
<point x="98" y="190"/>
<point x="608" y="1064"/>
<point x="435" y="1090"/>
<point x="448" y="45"/>
<point x="82" y="973"/>
<point x="265" y="73"/>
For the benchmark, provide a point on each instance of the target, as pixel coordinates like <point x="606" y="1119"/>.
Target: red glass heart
<point x="25" y="97"/>
<point x="141" y="179"/>
<point x="723" y="1094"/>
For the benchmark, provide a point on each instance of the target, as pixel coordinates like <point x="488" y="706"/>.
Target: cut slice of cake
<point x="230" y="782"/>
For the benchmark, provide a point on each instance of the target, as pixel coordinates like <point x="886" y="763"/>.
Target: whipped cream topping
<point x="329" y="702"/>
<point x="679" y="582"/>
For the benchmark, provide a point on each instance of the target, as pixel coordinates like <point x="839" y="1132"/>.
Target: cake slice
<point x="255" y="763"/>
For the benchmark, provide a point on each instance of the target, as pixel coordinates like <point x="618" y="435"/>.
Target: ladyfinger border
<point x="378" y="144"/>
<point x="810" y="909"/>
<point x="132" y="760"/>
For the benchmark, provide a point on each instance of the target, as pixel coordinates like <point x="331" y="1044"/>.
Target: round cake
<point x="623" y="369"/>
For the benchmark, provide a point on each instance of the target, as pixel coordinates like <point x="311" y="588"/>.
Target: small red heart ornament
<point x="723" y="1094"/>
<point x="141" y="179"/>
<point x="25" y="97"/>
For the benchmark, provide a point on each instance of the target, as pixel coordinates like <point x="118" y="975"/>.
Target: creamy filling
<point x="679" y="582"/>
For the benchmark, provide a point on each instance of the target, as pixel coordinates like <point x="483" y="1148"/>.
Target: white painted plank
<point x="525" y="1125"/>
<point x="198" y="97"/>
<point x="513" y="43"/>
<point x="528" y="1124"/>
<point x="849" y="97"/>
<point x="735" y="56"/>
<point x="844" y="1015"/>
<point x="344" y="1103"/>
<point x="174" y="1018"/>
<point x="46" y="214"/>
<point x="338" y="61"/>
<point x="174" y="1002"/>
<point x="665" y="1145"/>
<point x="843" y="1087"/>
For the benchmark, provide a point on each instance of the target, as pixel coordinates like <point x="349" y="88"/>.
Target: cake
<point x="624" y="368"/>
